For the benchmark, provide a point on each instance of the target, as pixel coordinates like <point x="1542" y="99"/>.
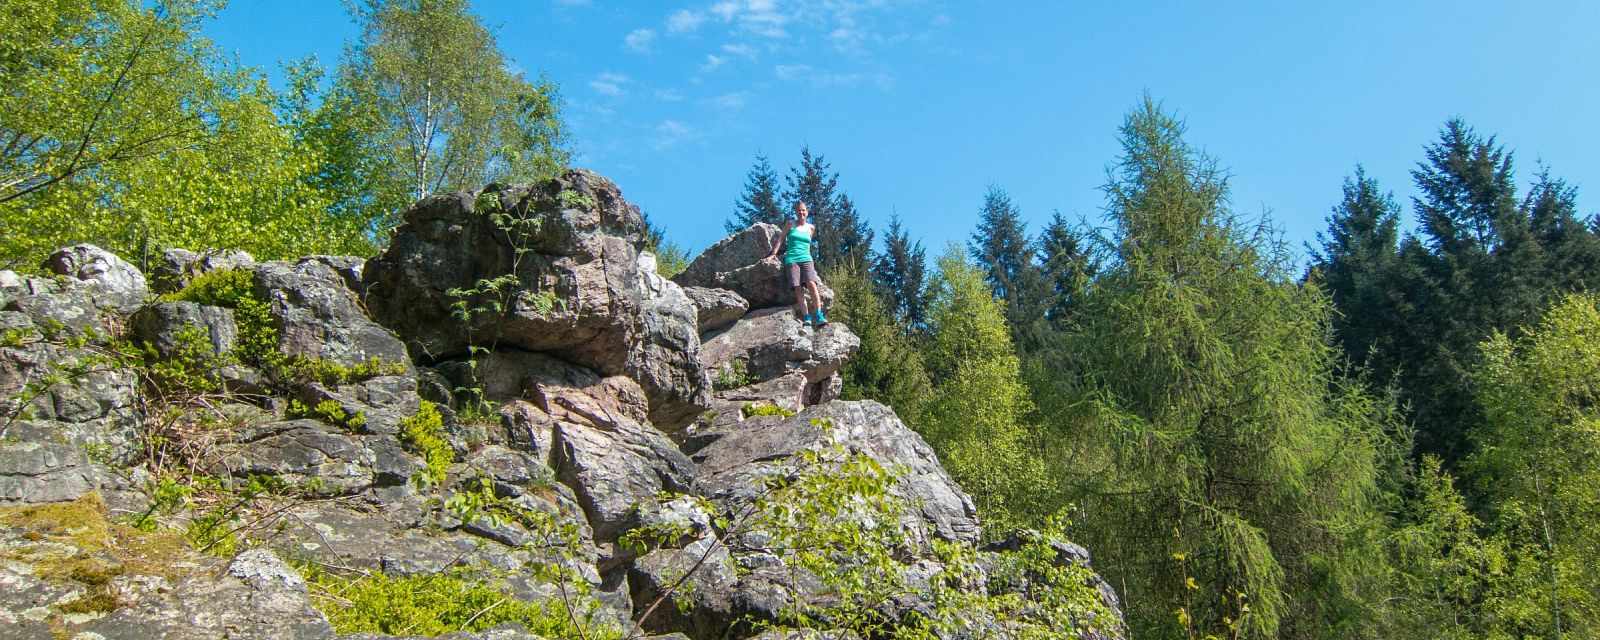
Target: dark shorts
<point x="800" y="273"/>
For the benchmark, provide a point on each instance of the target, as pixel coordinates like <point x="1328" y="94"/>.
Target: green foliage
<point x="752" y="409"/>
<point x="1195" y="413"/>
<point x="900" y="276"/>
<point x="423" y="434"/>
<point x="425" y="102"/>
<point x="435" y="604"/>
<point x="84" y="161"/>
<point x="732" y="376"/>
<point x="985" y="439"/>
<point x="759" y="202"/>
<point x="888" y="367"/>
<point x="191" y="368"/>
<point x="328" y="411"/>
<point x="1537" y="465"/>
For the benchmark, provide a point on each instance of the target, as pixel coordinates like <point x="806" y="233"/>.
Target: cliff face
<point x="509" y="395"/>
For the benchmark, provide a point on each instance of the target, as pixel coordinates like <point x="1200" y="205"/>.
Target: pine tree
<point x="812" y="184"/>
<point x="760" y="200"/>
<point x="1355" y="264"/>
<point x="899" y="273"/>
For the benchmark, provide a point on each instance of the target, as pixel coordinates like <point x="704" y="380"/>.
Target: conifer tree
<point x="760" y="200"/>
<point x="1355" y="265"/>
<point x="812" y="184"/>
<point x="1000" y="243"/>
<point x="899" y="273"/>
<point x="1225" y="470"/>
<point x="888" y="367"/>
<point x="1067" y="266"/>
<point x="849" y="238"/>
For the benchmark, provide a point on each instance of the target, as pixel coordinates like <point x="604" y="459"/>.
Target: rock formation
<point x="509" y="369"/>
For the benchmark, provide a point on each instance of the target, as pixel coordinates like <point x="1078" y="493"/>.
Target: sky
<point x="922" y="105"/>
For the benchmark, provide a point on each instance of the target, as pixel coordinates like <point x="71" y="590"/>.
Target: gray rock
<point x="312" y="454"/>
<point x="716" y="308"/>
<point x="54" y="425"/>
<point x="178" y="267"/>
<point x="117" y="284"/>
<point x="771" y="343"/>
<point x="318" y="316"/>
<point x="349" y="269"/>
<point x="666" y="359"/>
<point x="159" y="325"/>
<point x="744" y="263"/>
<point x="612" y="469"/>
<point x="580" y="292"/>
<point x="709" y="581"/>
<point x="733" y="463"/>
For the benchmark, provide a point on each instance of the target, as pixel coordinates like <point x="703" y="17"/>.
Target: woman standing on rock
<point x="802" y="271"/>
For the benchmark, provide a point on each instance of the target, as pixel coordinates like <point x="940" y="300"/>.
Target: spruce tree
<point x="899" y="273"/>
<point x="1000" y="245"/>
<point x="1355" y="264"/>
<point x="1067" y="266"/>
<point x="760" y="200"/>
<point x="848" y="238"/>
<point x="812" y="184"/>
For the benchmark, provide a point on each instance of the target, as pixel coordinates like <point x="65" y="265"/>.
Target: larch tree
<point x="1227" y="476"/>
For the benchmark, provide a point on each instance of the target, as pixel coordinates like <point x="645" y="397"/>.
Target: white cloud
<point x="824" y="79"/>
<point x="671" y="132"/>
<point x="573" y="3"/>
<point x="684" y="21"/>
<point x="741" y="50"/>
<point x="792" y="71"/>
<point x="639" y="40"/>
<point x="758" y="17"/>
<point x="609" y="84"/>
<point x="730" y="101"/>
<point x="669" y="95"/>
<point x="712" y="62"/>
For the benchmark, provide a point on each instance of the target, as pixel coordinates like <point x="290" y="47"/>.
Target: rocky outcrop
<point x="745" y="264"/>
<point x="552" y="268"/>
<point x="716" y="308"/>
<point x="598" y="428"/>
<point x="117" y="284"/>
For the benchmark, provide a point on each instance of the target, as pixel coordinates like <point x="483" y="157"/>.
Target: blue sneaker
<point x="822" y="320"/>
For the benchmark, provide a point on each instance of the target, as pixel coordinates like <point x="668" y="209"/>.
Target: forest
<point x="1394" y="433"/>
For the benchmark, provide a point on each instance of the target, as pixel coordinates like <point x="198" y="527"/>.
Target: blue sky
<point x="920" y="105"/>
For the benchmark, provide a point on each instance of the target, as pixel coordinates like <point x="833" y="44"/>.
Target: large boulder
<point x="178" y="267"/>
<point x="119" y="285"/>
<point x="745" y="264"/>
<point x="568" y="280"/>
<point x="733" y="462"/>
<point x="716" y="308"/>
<point x="770" y="354"/>
<point x="318" y="316"/>
<point x="66" y="406"/>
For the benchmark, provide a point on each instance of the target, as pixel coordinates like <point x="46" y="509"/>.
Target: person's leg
<point x="816" y="299"/>
<point x="796" y="284"/>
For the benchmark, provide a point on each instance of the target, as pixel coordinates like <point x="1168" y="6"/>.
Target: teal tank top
<point x="799" y="243"/>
